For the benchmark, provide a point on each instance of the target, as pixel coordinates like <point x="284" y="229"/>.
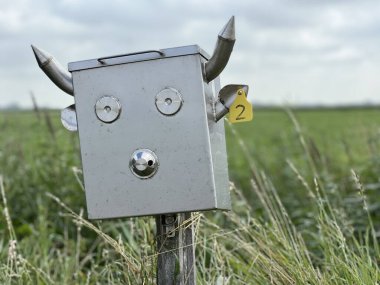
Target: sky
<point x="288" y="51"/>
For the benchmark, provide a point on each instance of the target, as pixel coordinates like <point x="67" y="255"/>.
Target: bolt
<point x="169" y="219"/>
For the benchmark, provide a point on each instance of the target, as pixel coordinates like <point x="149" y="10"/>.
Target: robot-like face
<point x="151" y="140"/>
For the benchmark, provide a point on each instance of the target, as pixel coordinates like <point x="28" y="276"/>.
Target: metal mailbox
<point x="151" y="137"/>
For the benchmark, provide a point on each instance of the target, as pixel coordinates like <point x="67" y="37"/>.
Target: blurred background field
<point x="305" y="186"/>
<point x="335" y="141"/>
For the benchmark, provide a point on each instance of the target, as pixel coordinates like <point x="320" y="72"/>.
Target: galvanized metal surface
<point x="54" y="70"/>
<point x="218" y="149"/>
<point x="175" y="246"/>
<point x="189" y="144"/>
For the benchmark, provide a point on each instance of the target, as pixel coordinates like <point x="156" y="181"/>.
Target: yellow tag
<point x="241" y="109"/>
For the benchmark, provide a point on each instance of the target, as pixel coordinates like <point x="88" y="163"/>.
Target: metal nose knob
<point x="143" y="163"/>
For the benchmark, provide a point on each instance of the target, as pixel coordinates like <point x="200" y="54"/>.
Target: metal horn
<point x="222" y="52"/>
<point x="54" y="70"/>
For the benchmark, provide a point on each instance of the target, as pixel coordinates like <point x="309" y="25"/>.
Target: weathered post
<point x="152" y="139"/>
<point x="175" y="248"/>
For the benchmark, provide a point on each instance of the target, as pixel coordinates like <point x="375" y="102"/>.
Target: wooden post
<point x="175" y="247"/>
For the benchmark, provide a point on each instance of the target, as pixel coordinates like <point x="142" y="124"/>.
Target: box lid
<point x="136" y="57"/>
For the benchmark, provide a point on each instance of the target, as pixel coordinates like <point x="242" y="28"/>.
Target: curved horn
<point x="222" y="52"/>
<point x="54" y="70"/>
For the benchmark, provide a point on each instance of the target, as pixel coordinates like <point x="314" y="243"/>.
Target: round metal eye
<point x="169" y="101"/>
<point x="108" y="109"/>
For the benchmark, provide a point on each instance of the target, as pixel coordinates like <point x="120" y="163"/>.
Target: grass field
<point x="304" y="185"/>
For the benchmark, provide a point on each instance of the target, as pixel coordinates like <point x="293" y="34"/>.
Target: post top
<point x="136" y="57"/>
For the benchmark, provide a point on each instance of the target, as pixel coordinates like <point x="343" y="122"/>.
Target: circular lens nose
<point x="143" y="163"/>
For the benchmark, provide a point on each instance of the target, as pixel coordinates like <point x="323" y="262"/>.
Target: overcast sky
<point x="289" y="52"/>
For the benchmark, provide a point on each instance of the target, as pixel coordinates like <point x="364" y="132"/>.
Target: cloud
<point x="317" y="51"/>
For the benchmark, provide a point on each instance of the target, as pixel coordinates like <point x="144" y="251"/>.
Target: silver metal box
<point x="189" y="145"/>
<point x="150" y="127"/>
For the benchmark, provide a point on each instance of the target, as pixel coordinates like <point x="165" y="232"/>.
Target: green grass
<point x="304" y="186"/>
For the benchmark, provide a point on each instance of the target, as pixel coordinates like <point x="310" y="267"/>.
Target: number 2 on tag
<point x="241" y="109"/>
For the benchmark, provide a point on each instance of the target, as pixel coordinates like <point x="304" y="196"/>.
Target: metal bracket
<point x="169" y="225"/>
